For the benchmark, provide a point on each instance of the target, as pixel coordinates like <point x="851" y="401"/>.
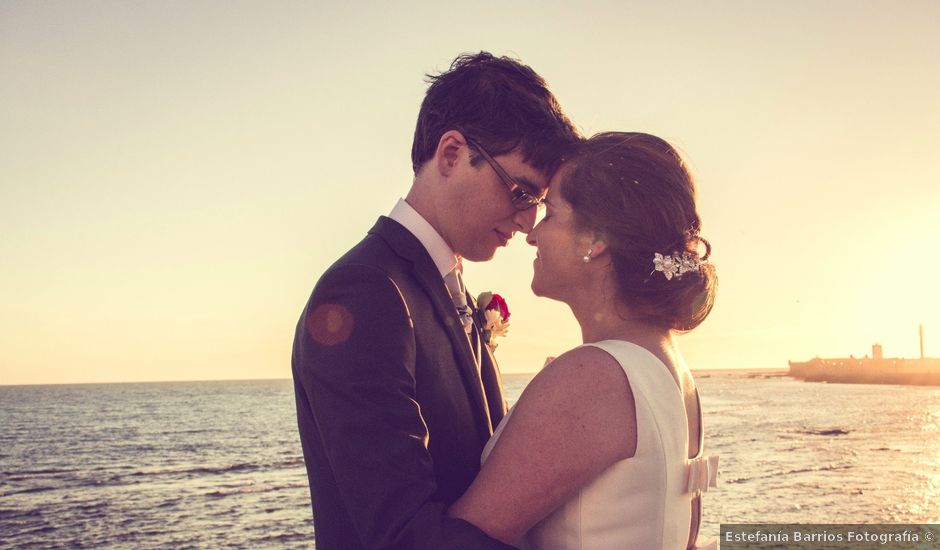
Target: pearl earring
<point x="587" y="257"/>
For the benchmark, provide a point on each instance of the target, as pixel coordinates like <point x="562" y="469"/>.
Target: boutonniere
<point x="495" y="314"/>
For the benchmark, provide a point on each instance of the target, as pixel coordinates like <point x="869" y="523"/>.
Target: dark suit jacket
<point x="392" y="409"/>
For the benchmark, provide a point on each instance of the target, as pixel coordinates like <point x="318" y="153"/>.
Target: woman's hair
<point x="635" y="191"/>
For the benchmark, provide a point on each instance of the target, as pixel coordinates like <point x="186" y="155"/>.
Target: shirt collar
<point x="442" y="254"/>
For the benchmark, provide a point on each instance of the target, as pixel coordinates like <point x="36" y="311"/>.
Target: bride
<point x="604" y="448"/>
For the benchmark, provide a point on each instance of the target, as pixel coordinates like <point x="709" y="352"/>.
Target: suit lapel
<point x="476" y="337"/>
<point x="489" y="372"/>
<point x="408" y="247"/>
<point x="493" y="385"/>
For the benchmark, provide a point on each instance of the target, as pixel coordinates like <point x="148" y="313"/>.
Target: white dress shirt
<point x="442" y="254"/>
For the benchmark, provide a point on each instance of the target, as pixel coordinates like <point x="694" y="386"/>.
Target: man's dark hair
<point x="498" y="102"/>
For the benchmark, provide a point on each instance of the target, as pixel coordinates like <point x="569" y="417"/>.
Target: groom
<point x="396" y="394"/>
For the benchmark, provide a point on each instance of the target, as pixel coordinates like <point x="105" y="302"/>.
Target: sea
<point x="219" y="464"/>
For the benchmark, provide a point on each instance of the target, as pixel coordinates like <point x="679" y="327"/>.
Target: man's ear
<point x="449" y="149"/>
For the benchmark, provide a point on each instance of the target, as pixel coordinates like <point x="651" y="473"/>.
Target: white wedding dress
<point x="643" y="502"/>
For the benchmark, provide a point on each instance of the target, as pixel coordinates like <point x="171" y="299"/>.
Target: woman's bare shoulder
<point x="584" y="388"/>
<point x="582" y="369"/>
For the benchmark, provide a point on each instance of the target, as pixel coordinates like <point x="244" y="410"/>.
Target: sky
<point x="175" y="175"/>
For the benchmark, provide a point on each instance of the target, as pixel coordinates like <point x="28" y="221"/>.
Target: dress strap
<point x="703" y="473"/>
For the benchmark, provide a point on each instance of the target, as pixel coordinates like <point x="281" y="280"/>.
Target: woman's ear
<point x="597" y="244"/>
<point x="449" y="149"/>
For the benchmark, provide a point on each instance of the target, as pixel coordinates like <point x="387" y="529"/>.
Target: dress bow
<point x="703" y="473"/>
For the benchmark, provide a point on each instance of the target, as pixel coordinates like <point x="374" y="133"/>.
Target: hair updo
<point x="635" y="191"/>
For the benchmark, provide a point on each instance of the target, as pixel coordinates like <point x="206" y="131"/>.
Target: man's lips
<point x="504" y="237"/>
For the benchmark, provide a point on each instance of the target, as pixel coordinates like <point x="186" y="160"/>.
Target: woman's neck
<point x="603" y="317"/>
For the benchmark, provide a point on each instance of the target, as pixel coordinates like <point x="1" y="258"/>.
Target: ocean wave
<point x="217" y="469"/>
<point x="826" y="431"/>
<point x="11" y="514"/>
<point x="65" y="482"/>
<point x="52" y="479"/>
<point x="782" y="473"/>
<point x="252" y="488"/>
<point x="797" y="433"/>
<point x="46" y="471"/>
<point x="233" y="491"/>
<point x="169" y="503"/>
<point x="29" y="490"/>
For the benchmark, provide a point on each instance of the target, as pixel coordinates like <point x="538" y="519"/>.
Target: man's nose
<point x="525" y="219"/>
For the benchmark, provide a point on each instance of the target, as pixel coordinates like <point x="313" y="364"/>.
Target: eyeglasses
<point x="521" y="199"/>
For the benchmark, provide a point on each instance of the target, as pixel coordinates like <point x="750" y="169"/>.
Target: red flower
<point x="498" y="303"/>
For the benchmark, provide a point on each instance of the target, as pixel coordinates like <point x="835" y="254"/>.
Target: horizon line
<point x="194" y="381"/>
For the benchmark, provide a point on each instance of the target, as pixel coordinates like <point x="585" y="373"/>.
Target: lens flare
<point x="330" y="324"/>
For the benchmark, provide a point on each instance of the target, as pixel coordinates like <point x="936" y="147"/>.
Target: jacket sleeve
<point x="357" y="370"/>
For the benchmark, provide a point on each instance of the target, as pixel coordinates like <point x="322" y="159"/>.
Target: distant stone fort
<point x="876" y="369"/>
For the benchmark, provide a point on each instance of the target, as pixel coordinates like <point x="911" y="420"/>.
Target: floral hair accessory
<point x="675" y="264"/>
<point x="495" y="315"/>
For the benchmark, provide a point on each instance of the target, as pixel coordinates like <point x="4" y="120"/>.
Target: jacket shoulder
<point x="372" y="251"/>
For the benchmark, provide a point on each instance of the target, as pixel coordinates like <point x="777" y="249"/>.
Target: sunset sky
<point x="175" y="176"/>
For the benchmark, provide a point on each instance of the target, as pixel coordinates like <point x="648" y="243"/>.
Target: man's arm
<point x="357" y="362"/>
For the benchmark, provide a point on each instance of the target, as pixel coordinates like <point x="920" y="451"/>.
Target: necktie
<point x="458" y="293"/>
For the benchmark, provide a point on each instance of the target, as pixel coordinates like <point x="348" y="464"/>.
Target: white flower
<point x="687" y="263"/>
<point x="666" y="264"/>
<point x="675" y="264"/>
<point x="493" y="322"/>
